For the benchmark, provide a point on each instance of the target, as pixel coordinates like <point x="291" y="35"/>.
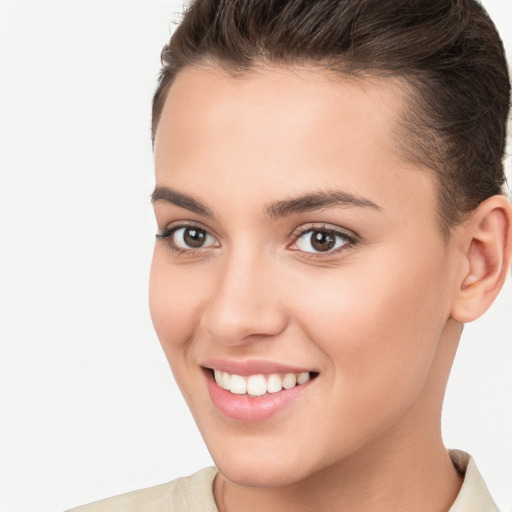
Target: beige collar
<point x="474" y="495"/>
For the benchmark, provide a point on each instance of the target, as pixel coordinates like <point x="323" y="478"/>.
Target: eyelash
<point x="166" y="236"/>
<point x="349" y="240"/>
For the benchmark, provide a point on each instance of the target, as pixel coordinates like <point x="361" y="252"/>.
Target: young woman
<point x="329" y="199"/>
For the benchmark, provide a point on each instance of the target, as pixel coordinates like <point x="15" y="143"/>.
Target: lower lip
<point x="252" y="409"/>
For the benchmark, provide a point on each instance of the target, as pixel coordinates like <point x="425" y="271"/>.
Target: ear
<point x="486" y="242"/>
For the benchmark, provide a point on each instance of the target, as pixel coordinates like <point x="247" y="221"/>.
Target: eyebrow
<point x="317" y="201"/>
<point x="305" y="203"/>
<point x="176" y="198"/>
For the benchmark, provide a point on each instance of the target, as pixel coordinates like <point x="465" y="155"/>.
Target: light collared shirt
<point x="473" y="495"/>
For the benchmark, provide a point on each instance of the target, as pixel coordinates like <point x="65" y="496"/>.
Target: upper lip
<point x="251" y="366"/>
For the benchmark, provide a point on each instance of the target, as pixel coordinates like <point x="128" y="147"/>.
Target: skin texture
<point x="379" y="318"/>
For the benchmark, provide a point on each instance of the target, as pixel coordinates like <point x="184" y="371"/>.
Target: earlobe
<point x="487" y="253"/>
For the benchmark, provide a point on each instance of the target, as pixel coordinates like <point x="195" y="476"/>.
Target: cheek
<point x="174" y="301"/>
<point x="379" y="336"/>
<point x="378" y="324"/>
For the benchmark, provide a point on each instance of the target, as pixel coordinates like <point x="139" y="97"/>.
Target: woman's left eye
<point x="321" y="240"/>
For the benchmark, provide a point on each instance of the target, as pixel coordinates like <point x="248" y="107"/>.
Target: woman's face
<point x="295" y="243"/>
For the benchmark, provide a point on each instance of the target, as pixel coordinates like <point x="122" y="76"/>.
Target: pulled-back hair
<point x="447" y="54"/>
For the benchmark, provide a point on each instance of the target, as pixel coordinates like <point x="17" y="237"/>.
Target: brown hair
<point x="447" y="52"/>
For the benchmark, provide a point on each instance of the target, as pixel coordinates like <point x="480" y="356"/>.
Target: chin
<point x="253" y="461"/>
<point x="263" y="474"/>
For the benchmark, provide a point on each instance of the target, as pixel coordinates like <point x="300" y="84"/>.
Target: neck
<point x="414" y="478"/>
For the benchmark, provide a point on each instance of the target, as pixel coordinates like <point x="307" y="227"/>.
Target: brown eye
<point x="321" y="240"/>
<point x="194" y="237"/>
<point x="188" y="238"/>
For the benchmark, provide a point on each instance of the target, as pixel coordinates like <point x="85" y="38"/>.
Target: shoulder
<point x="182" y="495"/>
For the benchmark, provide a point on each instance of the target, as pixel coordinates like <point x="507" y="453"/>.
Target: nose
<point x="244" y="303"/>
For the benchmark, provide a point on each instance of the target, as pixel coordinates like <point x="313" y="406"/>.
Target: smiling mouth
<point x="260" y="384"/>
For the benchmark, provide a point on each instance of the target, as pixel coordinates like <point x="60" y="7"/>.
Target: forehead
<point x="275" y="99"/>
<point x="283" y="131"/>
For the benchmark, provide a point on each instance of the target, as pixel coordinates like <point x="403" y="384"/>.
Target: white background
<point x="88" y="408"/>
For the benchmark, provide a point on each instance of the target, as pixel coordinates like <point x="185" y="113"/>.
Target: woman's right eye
<point x="188" y="238"/>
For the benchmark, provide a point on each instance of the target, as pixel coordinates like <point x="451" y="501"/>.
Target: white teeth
<point x="258" y="385"/>
<point x="274" y="383"/>
<point x="289" y="381"/>
<point x="303" y="378"/>
<point x="222" y="378"/>
<point x="225" y="381"/>
<point x="237" y="385"/>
